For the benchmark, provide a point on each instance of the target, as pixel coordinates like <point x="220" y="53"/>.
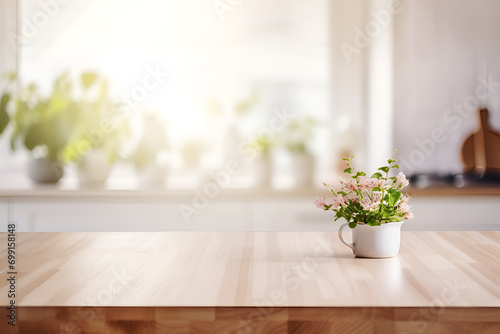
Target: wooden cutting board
<point x="481" y="150"/>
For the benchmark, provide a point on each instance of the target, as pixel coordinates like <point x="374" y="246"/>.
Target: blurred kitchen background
<point x="123" y="115"/>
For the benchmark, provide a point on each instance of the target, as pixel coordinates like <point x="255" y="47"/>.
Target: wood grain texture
<point x="297" y="320"/>
<point x="246" y="269"/>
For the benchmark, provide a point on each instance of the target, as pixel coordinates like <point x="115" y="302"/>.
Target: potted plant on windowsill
<point x="296" y="138"/>
<point x="373" y="207"/>
<point x="263" y="167"/>
<point x="151" y="148"/>
<point x="61" y="128"/>
<point x="100" y="132"/>
<point x="43" y="124"/>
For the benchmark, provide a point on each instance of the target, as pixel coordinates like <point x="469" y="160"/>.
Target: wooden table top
<point x="251" y="269"/>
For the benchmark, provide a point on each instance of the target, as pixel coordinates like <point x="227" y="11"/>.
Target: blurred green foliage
<point x="67" y="122"/>
<point x="152" y="142"/>
<point x="262" y="145"/>
<point x="298" y="133"/>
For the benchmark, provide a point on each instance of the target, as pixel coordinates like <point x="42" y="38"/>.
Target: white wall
<point x="440" y="49"/>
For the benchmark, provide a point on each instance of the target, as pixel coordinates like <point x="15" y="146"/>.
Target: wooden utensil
<point x="481" y="150"/>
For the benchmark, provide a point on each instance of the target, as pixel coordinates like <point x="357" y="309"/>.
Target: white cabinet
<point x="78" y="215"/>
<point x="291" y="214"/>
<point x="457" y="213"/>
<point x="268" y="213"/>
<point x="4" y="214"/>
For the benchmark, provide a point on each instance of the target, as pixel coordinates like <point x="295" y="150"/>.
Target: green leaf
<point x="5" y="99"/>
<point x="88" y="79"/>
<point x="353" y="224"/>
<point x="343" y="193"/>
<point x="4" y="116"/>
<point x="33" y="136"/>
<point x="390" y="161"/>
<point x="385" y="169"/>
<point x="376" y="175"/>
<point x="10" y="76"/>
<point x="348" y="170"/>
<point x="394" y="197"/>
<point x="13" y="143"/>
<point x="377" y="189"/>
<point x="361" y="174"/>
<point x="395" y="166"/>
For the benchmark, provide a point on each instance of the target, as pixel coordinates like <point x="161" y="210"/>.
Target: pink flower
<point x="368" y="204"/>
<point x="320" y="202"/>
<point x="403" y="207"/>
<point x="327" y="186"/>
<point x="369" y="183"/>
<point x="408" y="215"/>
<point x="405" y="199"/>
<point x="353" y="197"/>
<point x="349" y="184"/>
<point x="376" y="197"/>
<point x="363" y="183"/>
<point x="401" y="180"/>
<point x="372" y="183"/>
<point x="339" y="200"/>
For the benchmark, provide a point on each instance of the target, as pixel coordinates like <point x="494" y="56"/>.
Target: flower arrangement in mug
<point x="372" y="201"/>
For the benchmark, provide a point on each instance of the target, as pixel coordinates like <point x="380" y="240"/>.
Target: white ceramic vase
<point x="44" y="170"/>
<point x="153" y="175"/>
<point x="94" y="167"/>
<point x="374" y="241"/>
<point x="263" y="172"/>
<point x="302" y="169"/>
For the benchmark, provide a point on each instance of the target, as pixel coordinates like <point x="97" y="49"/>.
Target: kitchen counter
<point x="256" y="279"/>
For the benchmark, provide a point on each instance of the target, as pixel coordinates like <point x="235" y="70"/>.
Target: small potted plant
<point x="100" y="132"/>
<point x="151" y="148"/>
<point x="296" y="137"/>
<point x="192" y="153"/>
<point x="64" y="127"/>
<point x="262" y="146"/>
<point x="43" y="124"/>
<point x="373" y="207"/>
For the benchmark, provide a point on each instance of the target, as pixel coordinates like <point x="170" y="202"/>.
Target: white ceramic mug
<point x="374" y="241"/>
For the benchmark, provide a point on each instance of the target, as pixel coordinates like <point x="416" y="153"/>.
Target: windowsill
<point x="18" y="185"/>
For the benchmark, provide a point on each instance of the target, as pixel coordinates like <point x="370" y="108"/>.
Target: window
<point x="218" y="55"/>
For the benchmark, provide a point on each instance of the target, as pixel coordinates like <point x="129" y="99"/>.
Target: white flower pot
<point x="374" y="241"/>
<point x="302" y="169"/>
<point x="94" y="167"/>
<point x="263" y="172"/>
<point x="44" y="170"/>
<point x="153" y="175"/>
